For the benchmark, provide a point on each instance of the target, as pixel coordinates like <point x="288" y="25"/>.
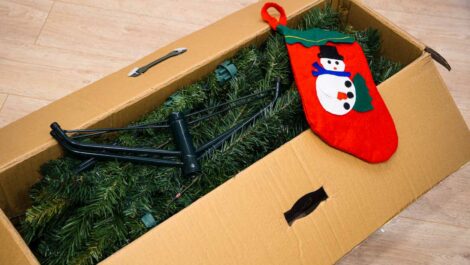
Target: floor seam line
<point x="433" y="222"/>
<point x="44" y="24"/>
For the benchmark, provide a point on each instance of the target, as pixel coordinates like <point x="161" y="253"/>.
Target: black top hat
<point x="329" y="52"/>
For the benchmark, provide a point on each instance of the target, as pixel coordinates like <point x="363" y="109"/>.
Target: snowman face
<point x="333" y="64"/>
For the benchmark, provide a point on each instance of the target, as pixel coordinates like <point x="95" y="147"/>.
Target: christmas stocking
<point x="339" y="96"/>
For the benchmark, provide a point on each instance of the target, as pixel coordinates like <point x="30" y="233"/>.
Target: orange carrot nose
<point x="342" y="95"/>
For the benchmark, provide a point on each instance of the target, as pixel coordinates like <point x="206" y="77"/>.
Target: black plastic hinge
<point x="438" y="58"/>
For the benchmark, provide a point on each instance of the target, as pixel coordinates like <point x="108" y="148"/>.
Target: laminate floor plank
<point x="183" y="11"/>
<point x="447" y="203"/>
<point x="16" y="107"/>
<point x="3" y="97"/>
<point x="435" y="8"/>
<point x="406" y="241"/>
<point x="40" y="82"/>
<point x="22" y="20"/>
<point x="108" y="33"/>
<point x="50" y="73"/>
<point x="59" y="57"/>
<point x="448" y="35"/>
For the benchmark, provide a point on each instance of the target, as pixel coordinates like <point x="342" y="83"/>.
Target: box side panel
<point x="242" y="221"/>
<point x="117" y="99"/>
<point x="395" y="41"/>
<point x="13" y="250"/>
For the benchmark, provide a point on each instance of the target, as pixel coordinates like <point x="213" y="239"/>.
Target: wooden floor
<point x="49" y="48"/>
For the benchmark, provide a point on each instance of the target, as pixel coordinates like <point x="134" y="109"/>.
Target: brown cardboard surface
<point x="242" y="222"/>
<point x="13" y="250"/>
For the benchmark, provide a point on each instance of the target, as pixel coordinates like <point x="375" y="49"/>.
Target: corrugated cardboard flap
<point x="13" y="250"/>
<point x="242" y="221"/>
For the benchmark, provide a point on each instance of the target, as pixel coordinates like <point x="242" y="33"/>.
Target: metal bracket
<point x="186" y="156"/>
<point x="438" y="58"/>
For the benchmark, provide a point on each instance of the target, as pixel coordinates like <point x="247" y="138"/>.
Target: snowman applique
<point x="337" y="93"/>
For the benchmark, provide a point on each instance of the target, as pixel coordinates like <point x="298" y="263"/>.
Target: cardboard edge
<point x="391" y="25"/>
<point x="403" y="208"/>
<point x="12" y="237"/>
<point x="417" y="61"/>
<point x="404" y="34"/>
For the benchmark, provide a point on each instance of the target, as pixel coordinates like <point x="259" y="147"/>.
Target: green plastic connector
<point x="148" y="220"/>
<point x="225" y="71"/>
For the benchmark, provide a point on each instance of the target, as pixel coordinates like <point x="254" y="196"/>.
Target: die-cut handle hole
<point x="305" y="205"/>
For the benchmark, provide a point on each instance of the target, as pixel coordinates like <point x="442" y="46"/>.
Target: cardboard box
<point x="242" y="221"/>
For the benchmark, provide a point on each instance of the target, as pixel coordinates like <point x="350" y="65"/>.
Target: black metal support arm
<point x="139" y="150"/>
<point x="186" y="157"/>
<point x="107" y="155"/>
<point x="184" y="142"/>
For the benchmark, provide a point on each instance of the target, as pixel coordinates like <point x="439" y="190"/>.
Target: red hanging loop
<point x="273" y="22"/>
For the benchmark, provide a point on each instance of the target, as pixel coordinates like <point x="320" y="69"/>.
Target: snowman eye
<point x="329" y="62"/>
<point x="336" y="62"/>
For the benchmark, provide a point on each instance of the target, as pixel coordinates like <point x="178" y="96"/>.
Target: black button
<point x="350" y="95"/>
<point x="346" y="106"/>
<point x="347" y="83"/>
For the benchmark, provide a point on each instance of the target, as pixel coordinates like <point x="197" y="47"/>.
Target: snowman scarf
<point x="339" y="97"/>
